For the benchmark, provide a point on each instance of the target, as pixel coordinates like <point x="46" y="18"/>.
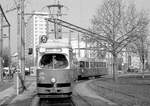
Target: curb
<point x="7" y="95"/>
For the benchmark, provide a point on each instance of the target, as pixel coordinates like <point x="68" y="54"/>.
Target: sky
<point x="79" y="12"/>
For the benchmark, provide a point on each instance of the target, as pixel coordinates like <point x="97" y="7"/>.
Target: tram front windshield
<point x="53" y="61"/>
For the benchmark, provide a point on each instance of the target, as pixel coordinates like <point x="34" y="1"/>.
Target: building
<point x="36" y="26"/>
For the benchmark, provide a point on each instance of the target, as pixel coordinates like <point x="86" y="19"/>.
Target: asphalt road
<point x="82" y="96"/>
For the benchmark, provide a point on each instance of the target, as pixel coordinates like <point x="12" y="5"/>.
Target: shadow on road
<point x="56" y="102"/>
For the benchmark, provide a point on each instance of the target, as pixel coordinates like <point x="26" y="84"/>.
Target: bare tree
<point x="120" y="24"/>
<point x="141" y="48"/>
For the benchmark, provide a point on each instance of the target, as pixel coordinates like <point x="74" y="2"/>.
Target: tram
<point x="55" y="69"/>
<point x="90" y="68"/>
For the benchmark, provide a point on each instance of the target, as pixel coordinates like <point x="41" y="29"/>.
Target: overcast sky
<point x="79" y="12"/>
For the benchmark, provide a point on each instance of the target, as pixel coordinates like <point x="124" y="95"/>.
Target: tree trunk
<point x="1" y="70"/>
<point x="143" y="62"/>
<point x="115" y="67"/>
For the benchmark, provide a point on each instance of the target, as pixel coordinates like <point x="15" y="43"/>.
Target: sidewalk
<point x="25" y="97"/>
<point x="6" y="95"/>
<point x="9" y="96"/>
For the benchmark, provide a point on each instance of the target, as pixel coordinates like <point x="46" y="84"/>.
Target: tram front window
<point x="53" y="61"/>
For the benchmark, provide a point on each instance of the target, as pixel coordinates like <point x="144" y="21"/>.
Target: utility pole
<point x="9" y="47"/>
<point x="78" y="45"/>
<point x="57" y="28"/>
<point x="22" y="40"/>
<point x="70" y="37"/>
<point x="1" y="45"/>
<point x="20" y="43"/>
<point x="86" y="47"/>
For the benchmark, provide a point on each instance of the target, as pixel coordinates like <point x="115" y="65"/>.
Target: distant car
<point x="6" y="70"/>
<point x="7" y="73"/>
<point x="120" y="72"/>
<point x="27" y="71"/>
<point x="132" y="69"/>
<point x="18" y="70"/>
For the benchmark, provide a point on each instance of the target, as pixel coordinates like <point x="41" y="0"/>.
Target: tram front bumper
<point x="54" y="92"/>
<point x="60" y="90"/>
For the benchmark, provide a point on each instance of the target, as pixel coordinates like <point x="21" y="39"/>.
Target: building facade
<point x="36" y="26"/>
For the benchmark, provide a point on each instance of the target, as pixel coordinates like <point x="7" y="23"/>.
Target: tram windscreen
<point x="53" y="61"/>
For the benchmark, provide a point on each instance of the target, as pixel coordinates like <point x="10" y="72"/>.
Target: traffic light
<point x="30" y="51"/>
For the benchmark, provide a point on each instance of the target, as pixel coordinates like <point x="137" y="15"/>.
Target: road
<point x="128" y="90"/>
<point x="82" y="96"/>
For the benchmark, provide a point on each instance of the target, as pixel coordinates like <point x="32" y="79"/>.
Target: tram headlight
<point x="53" y="80"/>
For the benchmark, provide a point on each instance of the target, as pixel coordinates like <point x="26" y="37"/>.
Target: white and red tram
<point x="55" y="69"/>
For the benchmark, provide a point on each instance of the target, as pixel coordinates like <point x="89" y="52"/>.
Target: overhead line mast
<point x="20" y="41"/>
<point x="57" y="27"/>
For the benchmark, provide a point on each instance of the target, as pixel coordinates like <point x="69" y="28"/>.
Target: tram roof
<point x="89" y="59"/>
<point x="59" y="43"/>
<point x="83" y="59"/>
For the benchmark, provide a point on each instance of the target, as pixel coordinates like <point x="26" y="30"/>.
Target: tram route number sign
<point x="43" y="39"/>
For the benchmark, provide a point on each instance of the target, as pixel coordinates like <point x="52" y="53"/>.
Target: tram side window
<point x="102" y="64"/>
<point x="54" y="61"/>
<point x="99" y="64"/>
<point x="87" y="64"/>
<point x="82" y="65"/>
<point x="96" y="64"/>
<point x="92" y="64"/>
